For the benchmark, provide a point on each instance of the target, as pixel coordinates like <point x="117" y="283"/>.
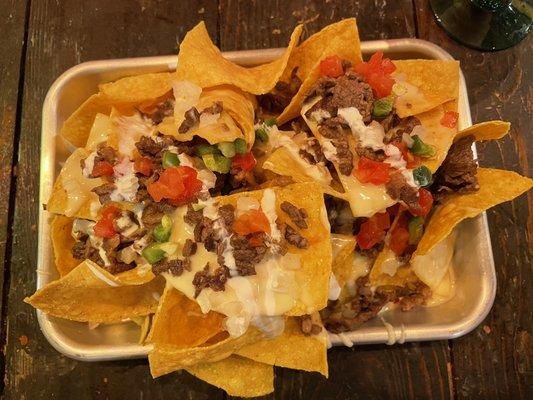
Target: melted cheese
<point x="365" y="199"/>
<point x="126" y="183"/>
<point x="432" y="267"/>
<point x="129" y="131"/>
<point x="187" y="95"/>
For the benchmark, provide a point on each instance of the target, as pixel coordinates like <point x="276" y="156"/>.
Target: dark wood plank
<point x="12" y="42"/>
<point x="62" y="34"/>
<point x="262" y="24"/>
<point x="366" y="372"/>
<point x="495" y="360"/>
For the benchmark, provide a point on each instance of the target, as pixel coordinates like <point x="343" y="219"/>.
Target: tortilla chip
<point x="291" y="349"/>
<point x="341" y="39"/>
<point x="437" y="135"/>
<point x="62" y="242"/>
<point x="138" y="88"/>
<point x="72" y="195"/>
<point x="91" y="294"/>
<point x="495" y="187"/>
<point x="77" y="127"/>
<point x="144" y="324"/>
<point x="166" y="358"/>
<point x="201" y="62"/>
<point x="236" y="375"/>
<point x="342" y="248"/>
<point x="179" y="321"/>
<point x="429" y="83"/>
<point x="100" y="132"/>
<point x="489" y="130"/>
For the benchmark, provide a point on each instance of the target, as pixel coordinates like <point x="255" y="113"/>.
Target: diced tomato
<point x="370" y="171"/>
<point x="449" y="119"/>
<point x="399" y="240"/>
<point x="252" y="221"/>
<point x="331" y="66"/>
<point x="372" y="231"/>
<point x="245" y="162"/>
<point x="411" y="160"/>
<point x="256" y="240"/>
<point x="143" y="166"/>
<point x="177" y="184"/>
<point x="102" y="168"/>
<point x="104" y="227"/>
<point x="377" y="73"/>
<point x="425" y="202"/>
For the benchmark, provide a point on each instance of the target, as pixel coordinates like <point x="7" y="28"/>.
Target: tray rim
<point x="245" y="57"/>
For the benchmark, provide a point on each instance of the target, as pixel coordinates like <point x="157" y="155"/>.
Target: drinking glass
<point x="484" y="24"/>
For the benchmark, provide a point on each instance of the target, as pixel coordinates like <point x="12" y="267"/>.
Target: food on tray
<point x="238" y="214"/>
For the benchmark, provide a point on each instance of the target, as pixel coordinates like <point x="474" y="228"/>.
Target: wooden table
<point x="40" y="39"/>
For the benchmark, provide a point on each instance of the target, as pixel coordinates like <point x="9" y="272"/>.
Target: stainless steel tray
<point x="475" y="274"/>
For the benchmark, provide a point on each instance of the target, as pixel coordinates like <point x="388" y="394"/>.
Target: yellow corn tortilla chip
<point x="495" y="187"/>
<point x="77" y="127"/>
<point x="343" y="247"/>
<point x="489" y="130"/>
<point x="71" y="195"/>
<point x="201" y="62"/>
<point x="437" y="135"/>
<point x="341" y="39"/>
<point x="281" y="162"/>
<point x="166" y="358"/>
<point x="429" y="83"/>
<point x="91" y="294"/>
<point x="62" y="242"/>
<point x="179" y="321"/>
<point x="138" y="88"/>
<point x="101" y="131"/>
<point x="237" y="376"/>
<point x="144" y="324"/>
<point x="291" y="349"/>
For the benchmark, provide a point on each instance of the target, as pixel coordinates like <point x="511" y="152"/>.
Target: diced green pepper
<point x="170" y="159"/>
<point x="422" y="176"/>
<point x="271" y="122"/>
<point x="382" y="107"/>
<point x="422" y="149"/>
<point x="227" y="149"/>
<point x="163" y="230"/>
<point x="197" y="207"/>
<point x="217" y="163"/>
<point x="261" y="135"/>
<point x="204" y="149"/>
<point x="240" y="146"/>
<point x="152" y="253"/>
<point x="416" y="229"/>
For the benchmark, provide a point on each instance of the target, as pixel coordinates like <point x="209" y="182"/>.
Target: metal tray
<point x="475" y="274"/>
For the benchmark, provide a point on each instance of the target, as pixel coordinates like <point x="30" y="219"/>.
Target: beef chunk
<point x="458" y="171"/>
<point x="205" y="279"/>
<point x="174" y="267"/>
<point x="204" y="233"/>
<point x="365" y="304"/>
<point x="375" y="155"/>
<point x="294" y="238"/>
<point x="399" y="189"/>
<point x="148" y="147"/>
<point x="104" y="192"/>
<point x="246" y="256"/>
<point x="193" y="217"/>
<point x="164" y="109"/>
<point x="192" y="116"/>
<point x="297" y="215"/>
<point x="151" y="215"/>
<point x="333" y="128"/>
<point x="105" y="153"/>
<point x="227" y="214"/>
<point x="189" y="248"/>
<point x="308" y="327"/>
<point x="117" y="267"/>
<point x="404" y="125"/>
<point x="276" y="101"/>
<point x="348" y="90"/>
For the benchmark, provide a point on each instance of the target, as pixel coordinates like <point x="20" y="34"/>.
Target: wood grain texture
<point x="495" y="360"/>
<point x="63" y="34"/>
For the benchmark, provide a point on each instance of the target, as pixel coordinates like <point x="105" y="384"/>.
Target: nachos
<point x="239" y="214"/>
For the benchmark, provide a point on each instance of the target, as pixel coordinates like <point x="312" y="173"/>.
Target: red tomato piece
<point x="399" y="240"/>
<point x="411" y="159"/>
<point x="110" y="212"/>
<point x="425" y="202"/>
<point x="369" y="234"/>
<point x="449" y="119"/>
<point x="370" y="171"/>
<point x="143" y="166"/>
<point x="177" y="184"/>
<point x="252" y="221"/>
<point x="244" y="162"/>
<point x="377" y="73"/>
<point x="331" y="66"/>
<point x="102" y="168"/>
<point x="382" y="220"/>
<point x="105" y="227"/>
